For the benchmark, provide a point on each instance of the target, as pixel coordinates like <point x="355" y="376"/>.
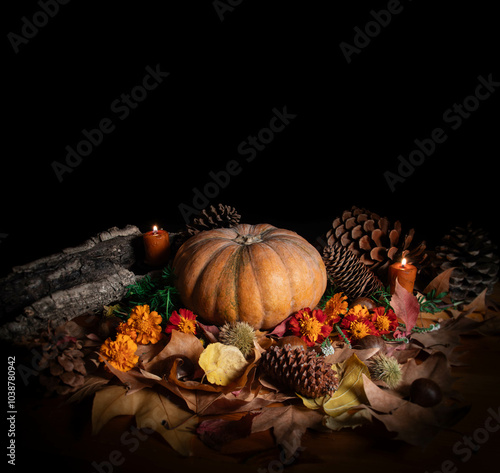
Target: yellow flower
<point x="383" y="323"/>
<point x="359" y="311"/>
<point x="359" y="329"/>
<point x="120" y="353"/>
<point x="335" y="307"/>
<point x="145" y="323"/>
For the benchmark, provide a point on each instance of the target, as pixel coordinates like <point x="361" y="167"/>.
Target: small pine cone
<point x="349" y="273"/>
<point x="63" y="366"/>
<point x="303" y="372"/>
<point x="222" y="216"/>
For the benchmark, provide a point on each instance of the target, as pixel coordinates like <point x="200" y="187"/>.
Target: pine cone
<point x="62" y="364"/>
<point x="349" y="273"/>
<point x="222" y="216"/>
<point x="471" y="251"/>
<point x="301" y="371"/>
<point x="373" y="239"/>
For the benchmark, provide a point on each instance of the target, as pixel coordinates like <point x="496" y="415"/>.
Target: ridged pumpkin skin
<point x="258" y="274"/>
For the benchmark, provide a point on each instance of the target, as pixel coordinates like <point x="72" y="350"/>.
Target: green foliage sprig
<point x="159" y="293"/>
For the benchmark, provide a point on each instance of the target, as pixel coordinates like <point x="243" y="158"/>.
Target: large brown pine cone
<point x="301" y="371"/>
<point x="475" y="259"/>
<point x="375" y="240"/>
<point x="347" y="272"/>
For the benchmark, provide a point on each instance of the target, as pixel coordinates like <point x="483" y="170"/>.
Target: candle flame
<point x="403" y="261"/>
<point x="155" y="229"/>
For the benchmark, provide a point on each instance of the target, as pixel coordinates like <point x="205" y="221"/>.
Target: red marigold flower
<point x="357" y="325"/>
<point x="310" y="325"/>
<point x="384" y="322"/>
<point x="183" y="321"/>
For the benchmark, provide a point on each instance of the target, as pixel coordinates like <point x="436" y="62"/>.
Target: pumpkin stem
<point x="247" y="239"/>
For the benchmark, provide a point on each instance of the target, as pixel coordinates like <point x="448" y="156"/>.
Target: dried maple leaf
<point x="435" y="367"/>
<point x="216" y="433"/>
<point x="412" y="423"/>
<point x="406" y="307"/>
<point x="289" y="423"/>
<point x="447" y="338"/>
<point x="441" y="283"/>
<point x="151" y="410"/>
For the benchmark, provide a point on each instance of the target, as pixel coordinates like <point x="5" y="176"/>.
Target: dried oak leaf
<point x="151" y="410"/>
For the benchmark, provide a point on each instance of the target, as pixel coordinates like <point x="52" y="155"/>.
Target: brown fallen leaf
<point x="289" y="423"/>
<point x="352" y="418"/>
<point x="151" y="410"/>
<point x="216" y="433"/>
<point x="435" y="367"/>
<point x="447" y="338"/>
<point x="180" y="344"/>
<point x="91" y="385"/>
<point x="406" y="307"/>
<point x="441" y="283"/>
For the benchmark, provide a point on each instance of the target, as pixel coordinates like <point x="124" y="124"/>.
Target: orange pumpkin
<point x="258" y="274"/>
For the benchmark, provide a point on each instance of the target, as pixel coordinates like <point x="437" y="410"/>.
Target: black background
<point x="352" y="119"/>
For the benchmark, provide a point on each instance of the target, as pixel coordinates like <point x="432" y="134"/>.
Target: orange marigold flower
<point x="145" y="323"/>
<point x="384" y="322"/>
<point x="360" y="328"/>
<point x="335" y="307"/>
<point x="126" y="329"/>
<point x="359" y="311"/>
<point x="310" y="325"/>
<point x="120" y="353"/>
<point x="356" y="325"/>
<point x="184" y="321"/>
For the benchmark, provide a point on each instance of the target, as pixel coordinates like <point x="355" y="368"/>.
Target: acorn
<point x="425" y="392"/>
<point x="366" y="301"/>
<point x="370" y="341"/>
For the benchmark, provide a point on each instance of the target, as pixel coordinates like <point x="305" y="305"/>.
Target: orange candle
<point x="405" y="273"/>
<point x="157" y="247"/>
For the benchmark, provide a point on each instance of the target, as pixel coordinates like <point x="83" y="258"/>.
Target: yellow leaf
<point x="151" y="410"/>
<point x="350" y="392"/>
<point x="222" y="363"/>
<point x="350" y="418"/>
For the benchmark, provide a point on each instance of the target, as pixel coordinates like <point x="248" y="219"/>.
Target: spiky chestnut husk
<point x="238" y="334"/>
<point x="385" y="368"/>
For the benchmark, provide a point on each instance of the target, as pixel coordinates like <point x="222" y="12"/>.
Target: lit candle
<point x="405" y="273"/>
<point x="156" y="247"/>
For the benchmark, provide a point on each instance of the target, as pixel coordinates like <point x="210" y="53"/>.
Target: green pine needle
<point x="159" y="293"/>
